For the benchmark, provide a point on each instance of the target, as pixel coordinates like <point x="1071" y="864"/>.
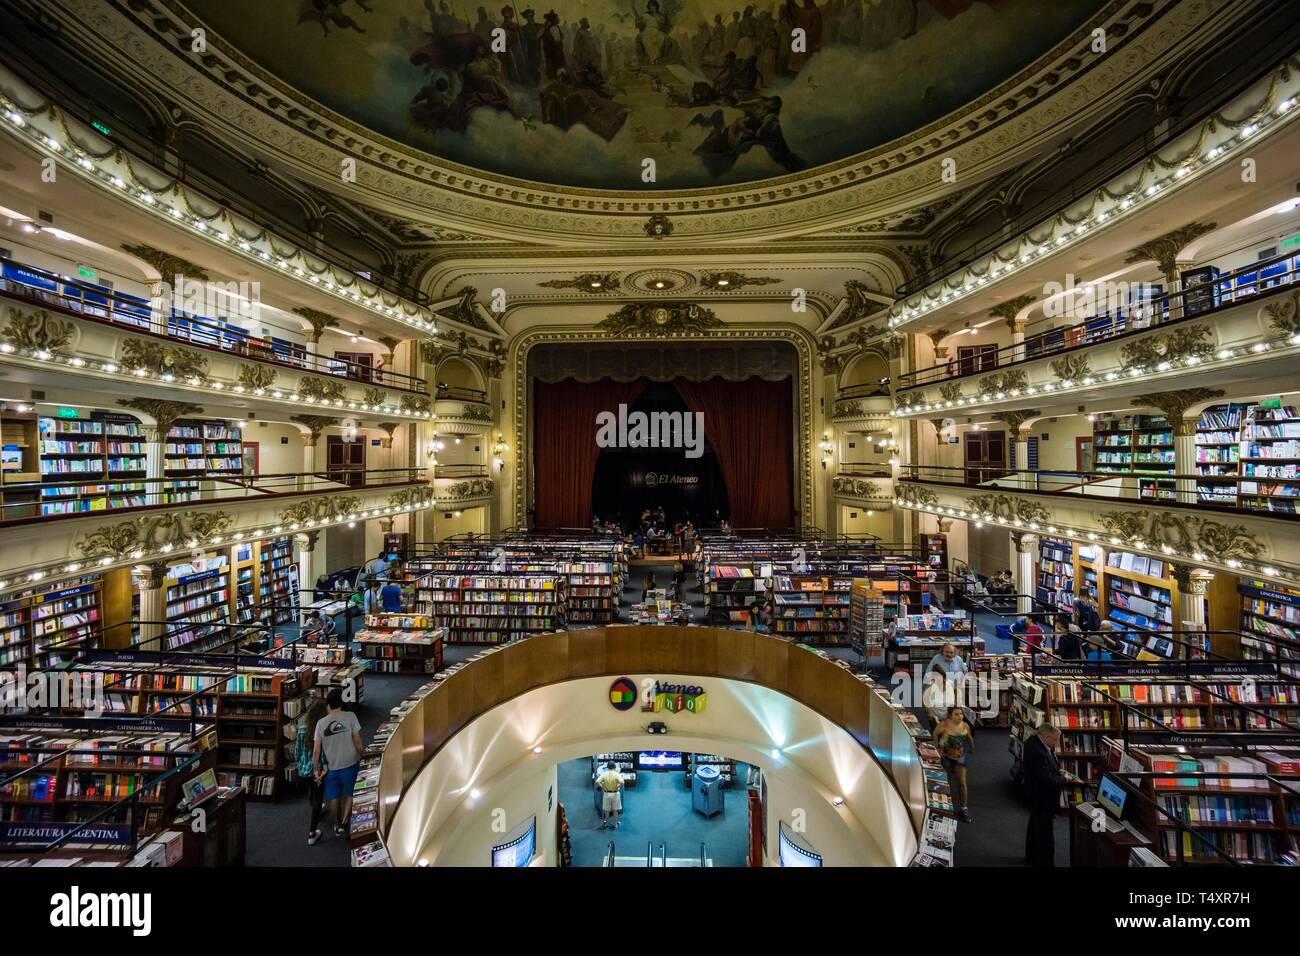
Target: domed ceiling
<point x="711" y="90"/>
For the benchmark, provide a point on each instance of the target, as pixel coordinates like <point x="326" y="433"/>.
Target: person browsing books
<point x="336" y="754"/>
<point x="376" y="567"/>
<point x="391" y="597"/>
<point x="955" y="741"/>
<point x="1044" y="781"/>
<point x="949" y="662"/>
<point x="373" y="602"/>
<point x="610" y="783"/>
<point x="318" y="628"/>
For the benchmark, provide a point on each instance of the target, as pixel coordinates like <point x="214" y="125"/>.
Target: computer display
<point x="1111" y="796"/>
<point x="660" y="760"/>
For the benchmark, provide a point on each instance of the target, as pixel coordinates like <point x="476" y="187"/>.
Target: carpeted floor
<point x="656" y="811"/>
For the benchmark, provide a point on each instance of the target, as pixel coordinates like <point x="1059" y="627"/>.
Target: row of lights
<point x="998" y="266"/>
<point x="216" y="540"/>
<point x="1087" y="381"/>
<point x="1091" y="537"/>
<point x="109" y="368"/>
<point x="287" y="265"/>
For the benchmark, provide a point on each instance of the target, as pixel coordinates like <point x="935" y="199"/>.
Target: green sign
<point x="1271" y="403"/>
<point x="101" y="127"/>
<point x="87" y="273"/>
<point x="67" y="412"/>
<point x="1291" y="242"/>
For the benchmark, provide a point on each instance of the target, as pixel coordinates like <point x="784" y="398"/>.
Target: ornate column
<point x="164" y="415"/>
<point x="153" y="606"/>
<point x="1193" y="584"/>
<point x="389" y="428"/>
<point x="306" y="541"/>
<point x="315" y="424"/>
<point x="1026" y="551"/>
<point x="1016" y="421"/>
<point x="154" y="436"/>
<point x="1185" y="458"/>
<point x="1166" y="251"/>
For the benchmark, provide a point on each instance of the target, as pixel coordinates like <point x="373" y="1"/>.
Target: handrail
<point x="649" y="854"/>
<point x="97" y="304"/>
<point x="93" y="496"/>
<point x="1172" y="489"/>
<point x="460" y="471"/>
<point x="459" y="393"/>
<point x="1231" y="83"/>
<point x="663" y="856"/>
<point x="703" y="856"/>
<point x="611" y="850"/>
<point x="868" y="390"/>
<point x="1124" y="321"/>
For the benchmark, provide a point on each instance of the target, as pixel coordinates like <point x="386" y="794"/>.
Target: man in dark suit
<point x="1044" y="782"/>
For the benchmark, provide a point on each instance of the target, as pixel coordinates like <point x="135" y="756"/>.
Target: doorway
<point x="985" y="456"/>
<point x="346" y="461"/>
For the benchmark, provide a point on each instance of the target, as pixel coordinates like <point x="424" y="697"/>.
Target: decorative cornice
<point x="320" y="508"/>
<point x="163" y="413"/>
<point x="659" y="320"/>
<point x="592" y="283"/>
<point x="179" y="529"/>
<point x="730" y="281"/>
<point x="168" y="265"/>
<point x="1174" y="404"/>
<point x="1007" y="508"/>
<point x="1187" y="534"/>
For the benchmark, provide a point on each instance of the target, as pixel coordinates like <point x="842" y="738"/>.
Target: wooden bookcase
<point x="492" y="608"/>
<point x="45" y="627"/>
<point x="813" y="609"/>
<point x="402" y="643"/>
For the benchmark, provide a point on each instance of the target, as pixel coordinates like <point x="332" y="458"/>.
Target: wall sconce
<point x="498" y="452"/>
<point x="828" y="449"/>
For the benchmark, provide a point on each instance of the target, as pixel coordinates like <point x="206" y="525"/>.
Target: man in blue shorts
<point x="338" y="739"/>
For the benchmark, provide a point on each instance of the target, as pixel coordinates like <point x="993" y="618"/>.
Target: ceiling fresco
<point x="713" y="91"/>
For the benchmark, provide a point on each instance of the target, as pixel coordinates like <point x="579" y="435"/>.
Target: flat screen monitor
<point x="660" y="760"/>
<point x="795" y="851"/>
<point x="197" y="789"/>
<point x="520" y="849"/>
<point x="1111" y="795"/>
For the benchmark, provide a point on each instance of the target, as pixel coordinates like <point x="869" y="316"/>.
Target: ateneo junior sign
<point x="658" y="696"/>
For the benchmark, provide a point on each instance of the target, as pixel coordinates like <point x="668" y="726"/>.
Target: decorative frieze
<point x="408" y="498"/>
<point x="1003" y="382"/>
<point x="1007" y="508"/>
<point x="180" y="529"/>
<point x="660" y="319"/>
<point x="374" y="396"/>
<point x="416" y="404"/>
<point x="862" y="488"/>
<point x="1188" y="534"/>
<point x="593" y="283"/>
<point x="322" y="389"/>
<point x="38" y="331"/>
<point x="160" y="358"/>
<point x="1178" y="345"/>
<point x="318" y="509"/>
<point x="917" y="496"/>
<point x="1284" y="316"/>
<point x="471" y="488"/>
<point x="1071" y="368"/>
<point x="256" y="377"/>
<point x="730" y="281"/>
<point x="951" y="392"/>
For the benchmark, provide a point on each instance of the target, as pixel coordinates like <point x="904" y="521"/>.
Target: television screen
<point x="794" y="851"/>
<point x="520" y="849"/>
<point x="1111" y="796"/>
<point x="660" y="760"/>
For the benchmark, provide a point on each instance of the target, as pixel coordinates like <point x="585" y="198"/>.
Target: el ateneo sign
<point x="660" y="697"/>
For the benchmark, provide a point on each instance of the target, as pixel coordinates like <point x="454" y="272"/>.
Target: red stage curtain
<point x="750" y="426"/>
<point x="564" y="446"/>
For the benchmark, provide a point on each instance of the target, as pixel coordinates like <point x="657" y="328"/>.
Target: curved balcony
<point x="857" y="757"/>
<point x="462" y="486"/>
<point x="872" y="489"/>
<point x="867" y="406"/>
<point x="105" y="334"/>
<point x="105" y="525"/>
<point x="1164" y="515"/>
<point x="466" y="410"/>
<point x="1239" y="328"/>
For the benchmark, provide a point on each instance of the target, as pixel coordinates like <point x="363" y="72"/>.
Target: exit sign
<point x="101" y="127"/>
<point x="1271" y="403"/>
<point x="1291" y="242"/>
<point x="87" y="273"/>
<point x="67" y="413"/>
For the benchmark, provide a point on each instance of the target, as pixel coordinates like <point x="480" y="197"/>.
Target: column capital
<point x="307" y="540"/>
<point x="1025" y="542"/>
<point x="152" y="433"/>
<point x="1186" y="427"/>
<point x="1191" y="580"/>
<point x="152" y="574"/>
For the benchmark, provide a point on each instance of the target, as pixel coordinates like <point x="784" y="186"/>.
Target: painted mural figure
<point x="760" y="125"/>
<point x="654" y="40"/>
<point x="326" y="12"/>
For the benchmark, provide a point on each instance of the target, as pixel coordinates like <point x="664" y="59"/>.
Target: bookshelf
<point x="197" y="601"/>
<point x="402" y="643"/>
<point x="999" y="670"/>
<point x="1088" y="571"/>
<point x="223" y="448"/>
<point x="277" y="582"/>
<point x="1140" y="445"/>
<point x="1270" y="450"/>
<point x="91" y="772"/>
<point x="918" y="637"/>
<point x="492" y="608"/>
<point x="1140" y="602"/>
<point x="1270" y="623"/>
<point x="1251" y="819"/>
<point x="47" y="627"/>
<point x="813" y="608"/>
<point x="106" y="450"/>
<point x="867" y="618"/>
<point x="730" y="589"/>
<point x="1056" y="573"/>
<point x="1218" y="445"/>
<point x="593" y="591"/>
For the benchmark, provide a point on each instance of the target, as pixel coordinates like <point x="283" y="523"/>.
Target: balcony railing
<point x="1248" y="283"/>
<point x="456" y="393"/>
<point x="99" y="304"/>
<point x="460" y="471"/>
<point x="872" y="390"/>
<point x="24" y="502"/>
<point x="1238" y="494"/>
